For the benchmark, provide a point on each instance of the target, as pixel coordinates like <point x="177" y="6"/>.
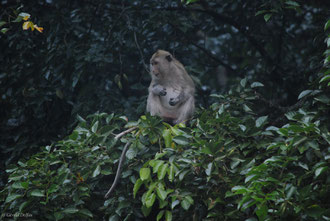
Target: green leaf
<point x="150" y="200"/>
<point x="243" y="82"/>
<point x="262" y="211"/>
<point x="162" y="171"/>
<point x="325" y="78"/>
<point x="256" y="84"/>
<point x="160" y="215"/>
<point x="327" y="59"/>
<point x="315" y="211"/>
<point x="190" y="199"/>
<point x="86" y="212"/>
<point x="181" y="140"/>
<point x="171" y="173"/>
<point x="290" y="192"/>
<point x="80" y="119"/>
<point x="323" y="99"/>
<point x="160" y="155"/>
<point x="246" y="108"/>
<point x="4" y="30"/>
<point x="261" y="120"/>
<point x="186" y="203"/>
<point x="23" y="205"/>
<point x="190" y="1"/>
<point x="95" y="126"/>
<point x="137" y="186"/>
<point x="156" y="164"/>
<point x="70" y="210"/>
<point x="74" y="135"/>
<point x="97" y="171"/>
<point x="167" y="137"/>
<point x="146" y="210"/>
<point x="261" y="12"/>
<point x="239" y="189"/>
<point x="209" y="169"/>
<point x="58" y="215"/>
<point x="20" y="185"/>
<point x="18" y="19"/>
<point x="292" y="3"/>
<point x="320" y="170"/>
<point x="12" y="197"/>
<point x="327" y="25"/>
<point x="174" y="204"/>
<point x="2" y="23"/>
<point x="161" y="193"/>
<point x="109" y="118"/>
<point x="251" y="177"/>
<point x="243" y="128"/>
<point x="131" y="153"/>
<point x="37" y="193"/>
<point x="144" y="173"/>
<point x="267" y="17"/>
<point x="221" y="109"/>
<point x="304" y="93"/>
<point x="168" y="215"/>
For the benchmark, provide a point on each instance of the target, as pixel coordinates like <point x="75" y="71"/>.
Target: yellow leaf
<point x="27" y="25"/>
<point x="31" y="26"/>
<point x="40" y="29"/>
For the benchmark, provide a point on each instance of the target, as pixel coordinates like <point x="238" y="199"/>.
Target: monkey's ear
<point x="169" y="58"/>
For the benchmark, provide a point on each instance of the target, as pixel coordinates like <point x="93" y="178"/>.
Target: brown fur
<point x="171" y="91"/>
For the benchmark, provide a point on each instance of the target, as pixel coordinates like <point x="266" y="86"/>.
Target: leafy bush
<point x="244" y="157"/>
<point x="230" y="164"/>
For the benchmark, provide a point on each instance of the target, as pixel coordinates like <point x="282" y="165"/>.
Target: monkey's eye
<point x="155" y="62"/>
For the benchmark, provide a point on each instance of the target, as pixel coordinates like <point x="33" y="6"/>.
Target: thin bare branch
<point x="141" y="54"/>
<point x="125" y="132"/>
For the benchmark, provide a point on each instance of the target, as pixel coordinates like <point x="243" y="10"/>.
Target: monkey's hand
<point x="159" y="90"/>
<point x="163" y="92"/>
<point x="174" y="101"/>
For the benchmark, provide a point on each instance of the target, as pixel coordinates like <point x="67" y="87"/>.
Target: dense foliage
<point x="258" y="147"/>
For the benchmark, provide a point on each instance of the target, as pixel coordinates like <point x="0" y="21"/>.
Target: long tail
<point x="121" y="160"/>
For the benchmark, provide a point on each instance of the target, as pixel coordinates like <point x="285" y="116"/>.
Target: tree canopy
<point x="74" y="74"/>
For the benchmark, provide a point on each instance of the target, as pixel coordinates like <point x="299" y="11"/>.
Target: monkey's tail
<point x="121" y="160"/>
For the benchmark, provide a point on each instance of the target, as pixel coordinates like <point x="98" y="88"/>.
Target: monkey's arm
<point x="181" y="98"/>
<point x="159" y="90"/>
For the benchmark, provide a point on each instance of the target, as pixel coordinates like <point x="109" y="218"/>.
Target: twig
<point x="277" y="106"/>
<point x="125" y="132"/>
<point x="203" y="49"/>
<point x="141" y="54"/>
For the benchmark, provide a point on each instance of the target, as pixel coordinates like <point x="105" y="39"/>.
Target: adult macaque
<point x="171" y="96"/>
<point x="171" y="91"/>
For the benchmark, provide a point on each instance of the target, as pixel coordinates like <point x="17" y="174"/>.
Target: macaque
<point x="171" y="96"/>
<point x="171" y="91"/>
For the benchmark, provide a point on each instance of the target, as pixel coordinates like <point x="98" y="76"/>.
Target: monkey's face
<point x="155" y="68"/>
<point x="160" y="65"/>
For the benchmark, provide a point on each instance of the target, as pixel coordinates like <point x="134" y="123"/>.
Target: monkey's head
<point x="160" y="64"/>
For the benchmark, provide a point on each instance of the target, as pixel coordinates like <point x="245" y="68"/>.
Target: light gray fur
<point x="171" y="91"/>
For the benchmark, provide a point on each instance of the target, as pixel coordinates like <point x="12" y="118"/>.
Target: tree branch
<point x="141" y="54"/>
<point x="125" y="132"/>
<point x="228" y="20"/>
<point x="208" y="53"/>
